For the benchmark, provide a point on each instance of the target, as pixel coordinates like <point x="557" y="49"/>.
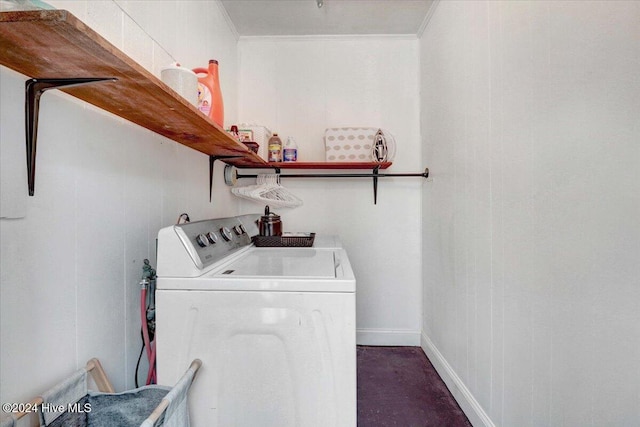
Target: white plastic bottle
<point x="290" y="150"/>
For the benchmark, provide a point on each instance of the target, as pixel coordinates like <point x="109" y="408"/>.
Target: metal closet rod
<point x="375" y="174"/>
<point x="231" y="174"/>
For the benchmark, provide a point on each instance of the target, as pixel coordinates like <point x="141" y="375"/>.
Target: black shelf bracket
<point x="375" y="185"/>
<point x="231" y="176"/>
<point x="34" y="88"/>
<point x="212" y="160"/>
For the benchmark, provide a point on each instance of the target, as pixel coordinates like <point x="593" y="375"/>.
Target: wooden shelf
<point x="329" y="165"/>
<point x="56" y="44"/>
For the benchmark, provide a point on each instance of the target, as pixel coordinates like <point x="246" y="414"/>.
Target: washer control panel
<point x="213" y="239"/>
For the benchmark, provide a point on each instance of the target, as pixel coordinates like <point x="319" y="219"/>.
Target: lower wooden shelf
<point x="326" y="165"/>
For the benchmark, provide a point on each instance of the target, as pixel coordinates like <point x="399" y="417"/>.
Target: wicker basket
<point x="285" y="241"/>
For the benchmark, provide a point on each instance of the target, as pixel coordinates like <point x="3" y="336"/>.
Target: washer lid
<point x="284" y="263"/>
<point x="324" y="241"/>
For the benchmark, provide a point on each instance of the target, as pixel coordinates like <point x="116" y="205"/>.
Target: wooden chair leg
<point x="99" y="376"/>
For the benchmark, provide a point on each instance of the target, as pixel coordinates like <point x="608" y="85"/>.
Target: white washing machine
<point x="274" y="327"/>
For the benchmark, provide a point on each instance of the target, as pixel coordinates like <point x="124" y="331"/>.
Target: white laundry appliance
<point x="274" y="327"/>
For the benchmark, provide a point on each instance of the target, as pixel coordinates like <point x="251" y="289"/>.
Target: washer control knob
<point x="202" y="240"/>
<point x="212" y="237"/>
<point x="237" y="230"/>
<point x="226" y="233"/>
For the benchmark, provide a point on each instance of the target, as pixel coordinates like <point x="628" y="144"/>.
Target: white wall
<point x="104" y="187"/>
<point x="300" y="86"/>
<point x="529" y="119"/>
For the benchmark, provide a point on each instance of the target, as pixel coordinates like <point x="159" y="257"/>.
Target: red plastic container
<point x="209" y="93"/>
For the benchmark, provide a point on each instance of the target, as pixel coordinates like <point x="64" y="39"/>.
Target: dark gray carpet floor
<point x="398" y="386"/>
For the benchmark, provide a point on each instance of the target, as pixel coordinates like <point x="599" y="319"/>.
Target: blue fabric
<point x="71" y="390"/>
<point x="9" y="421"/>
<point x="127" y="409"/>
<point x="132" y="408"/>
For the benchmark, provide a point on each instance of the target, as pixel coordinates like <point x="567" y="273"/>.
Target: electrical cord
<point x="139" y="359"/>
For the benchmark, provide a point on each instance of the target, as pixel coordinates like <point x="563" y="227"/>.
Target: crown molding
<point x="331" y="37"/>
<point x="227" y="18"/>
<point x="427" y="18"/>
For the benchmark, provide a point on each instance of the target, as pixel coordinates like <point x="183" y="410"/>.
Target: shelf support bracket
<point x="34" y="88"/>
<point x="212" y="160"/>
<point x="375" y="185"/>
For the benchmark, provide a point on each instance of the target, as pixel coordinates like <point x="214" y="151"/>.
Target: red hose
<point x="151" y="375"/>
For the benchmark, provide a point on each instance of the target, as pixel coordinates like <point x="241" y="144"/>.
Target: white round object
<point x="230" y="175"/>
<point x="182" y="80"/>
<point x="202" y="240"/>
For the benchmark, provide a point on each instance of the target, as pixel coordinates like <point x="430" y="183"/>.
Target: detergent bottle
<point x="209" y="93"/>
<point x="275" y="148"/>
<point x="290" y="150"/>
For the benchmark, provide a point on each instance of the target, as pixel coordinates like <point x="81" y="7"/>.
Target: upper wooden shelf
<point x="56" y="44"/>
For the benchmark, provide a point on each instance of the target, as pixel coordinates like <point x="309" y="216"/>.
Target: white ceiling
<point x="335" y="17"/>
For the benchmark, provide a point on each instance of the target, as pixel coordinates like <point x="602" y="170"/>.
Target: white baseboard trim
<point x="388" y="337"/>
<point x="472" y="409"/>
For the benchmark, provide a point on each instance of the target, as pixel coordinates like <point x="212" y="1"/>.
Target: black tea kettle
<point x="269" y="224"/>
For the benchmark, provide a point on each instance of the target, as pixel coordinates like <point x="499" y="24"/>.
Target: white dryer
<point x="274" y="327"/>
